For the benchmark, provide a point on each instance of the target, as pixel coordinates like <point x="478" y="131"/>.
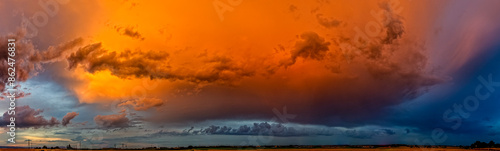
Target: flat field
<point x="337" y="149"/>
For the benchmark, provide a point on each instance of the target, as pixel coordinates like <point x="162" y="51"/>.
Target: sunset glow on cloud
<point x="216" y="72"/>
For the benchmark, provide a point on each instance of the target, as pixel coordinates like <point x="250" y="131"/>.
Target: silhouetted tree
<point x="479" y="144"/>
<point x="491" y="144"/>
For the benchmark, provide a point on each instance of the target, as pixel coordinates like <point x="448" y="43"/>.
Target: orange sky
<point x="250" y="35"/>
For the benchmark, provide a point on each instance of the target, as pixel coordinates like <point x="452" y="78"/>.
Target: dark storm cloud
<point x="27" y="117"/>
<point x="279" y="130"/>
<point x="68" y="117"/>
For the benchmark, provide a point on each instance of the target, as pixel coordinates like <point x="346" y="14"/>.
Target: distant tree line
<point x="479" y="144"/>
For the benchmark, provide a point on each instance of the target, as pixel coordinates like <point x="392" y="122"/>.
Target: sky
<point x="240" y="72"/>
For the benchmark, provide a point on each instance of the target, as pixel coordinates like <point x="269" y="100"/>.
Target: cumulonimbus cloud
<point x="317" y="78"/>
<point x="339" y="83"/>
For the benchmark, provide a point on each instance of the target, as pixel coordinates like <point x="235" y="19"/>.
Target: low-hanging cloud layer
<point x="276" y="129"/>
